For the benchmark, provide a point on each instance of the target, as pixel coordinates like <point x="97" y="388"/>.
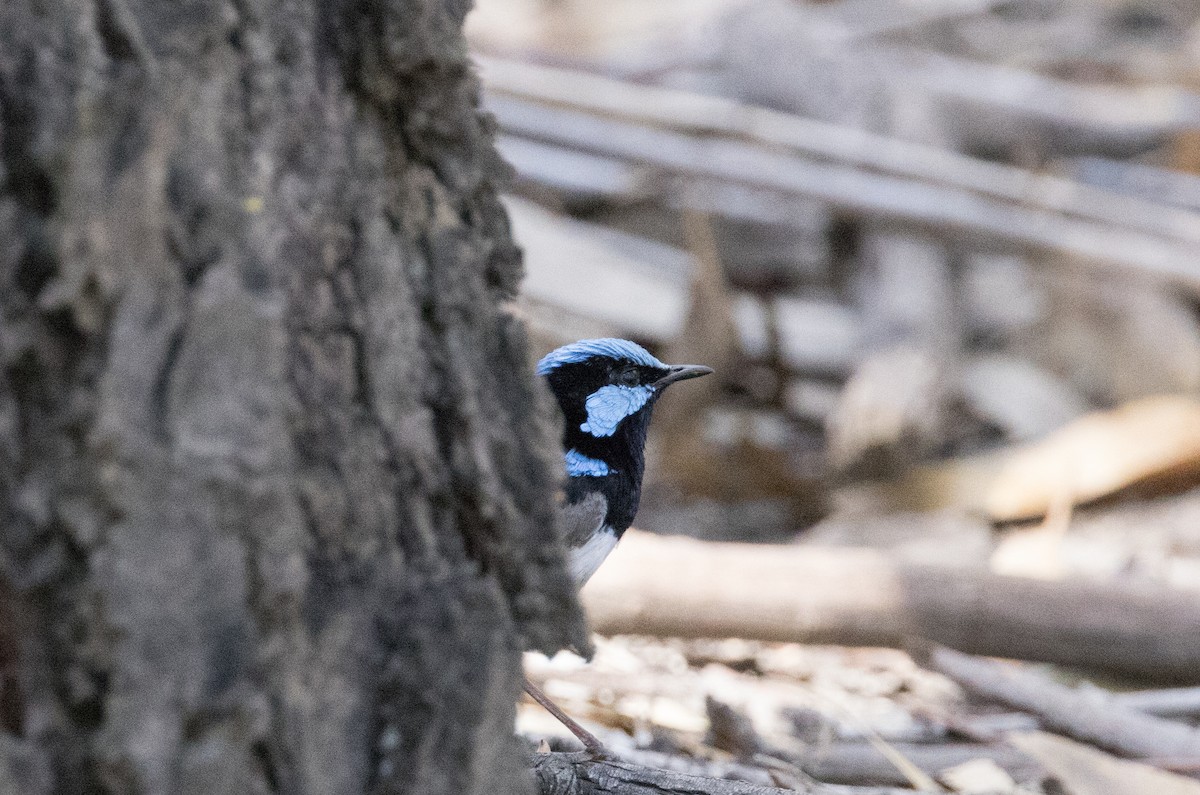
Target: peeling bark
<point x="274" y="490"/>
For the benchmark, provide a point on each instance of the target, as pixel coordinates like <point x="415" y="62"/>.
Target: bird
<point x="606" y="390"/>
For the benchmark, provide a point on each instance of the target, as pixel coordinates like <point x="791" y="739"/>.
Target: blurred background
<point x="945" y="258"/>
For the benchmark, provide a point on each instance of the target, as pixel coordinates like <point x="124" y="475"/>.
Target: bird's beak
<point x="680" y="372"/>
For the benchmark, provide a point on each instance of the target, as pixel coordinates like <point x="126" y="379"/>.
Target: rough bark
<point x="274" y="494"/>
<point x="578" y="774"/>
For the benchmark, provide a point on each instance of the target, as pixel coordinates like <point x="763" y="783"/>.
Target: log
<point x="1175" y="702"/>
<point x="677" y="587"/>
<point x="652" y="108"/>
<point x="1075" y="713"/>
<point x="994" y="105"/>
<point x="859" y="20"/>
<point x="863" y="763"/>
<point x="578" y="774"/>
<point x="680" y="133"/>
<point x="1163" y="185"/>
<point x="1082" y="770"/>
<point x="1149" y="443"/>
<point x="859" y="192"/>
<point x="804" y="57"/>
<point x="580" y="176"/>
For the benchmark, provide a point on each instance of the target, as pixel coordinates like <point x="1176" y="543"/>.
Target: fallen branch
<point x="1175" y="702"/>
<point x="705" y="115"/>
<point x="1082" y="770"/>
<point x="1081" y="715"/>
<point x="676" y="587"/>
<point x="579" y="774"/>
<point x="862" y="763"/>
<point x="680" y="134"/>
<point x="1153" y="440"/>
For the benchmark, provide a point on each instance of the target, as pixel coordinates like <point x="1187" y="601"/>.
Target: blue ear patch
<point x="580" y="465"/>
<point x="608" y="405"/>
<point x="609" y="347"/>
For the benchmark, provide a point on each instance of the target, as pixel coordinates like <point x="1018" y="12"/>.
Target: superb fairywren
<point x="606" y="389"/>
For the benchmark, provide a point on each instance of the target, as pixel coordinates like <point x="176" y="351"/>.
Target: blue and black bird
<point x="606" y="389"/>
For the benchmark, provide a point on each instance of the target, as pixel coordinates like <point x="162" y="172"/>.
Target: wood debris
<point x="947" y="257"/>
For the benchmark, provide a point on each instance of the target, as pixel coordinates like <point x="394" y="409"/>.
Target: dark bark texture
<point x="579" y="774"/>
<point x="274" y="483"/>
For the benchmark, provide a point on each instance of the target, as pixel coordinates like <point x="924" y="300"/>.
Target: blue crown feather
<point x="583" y="350"/>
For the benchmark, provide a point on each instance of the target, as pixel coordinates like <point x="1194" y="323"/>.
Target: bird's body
<point x="606" y="389"/>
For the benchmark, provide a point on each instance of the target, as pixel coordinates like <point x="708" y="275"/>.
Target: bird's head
<point x="606" y="389"/>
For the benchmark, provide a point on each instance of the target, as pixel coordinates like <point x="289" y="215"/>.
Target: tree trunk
<point x="274" y="487"/>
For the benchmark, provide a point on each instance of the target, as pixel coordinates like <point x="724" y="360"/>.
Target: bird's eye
<point x="629" y="377"/>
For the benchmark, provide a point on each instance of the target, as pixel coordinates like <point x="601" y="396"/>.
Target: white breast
<point x="586" y="559"/>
